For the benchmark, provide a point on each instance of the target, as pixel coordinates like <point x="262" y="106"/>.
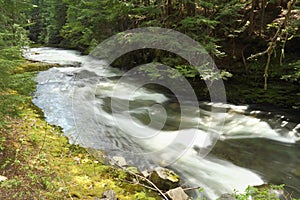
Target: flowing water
<point x="254" y="146"/>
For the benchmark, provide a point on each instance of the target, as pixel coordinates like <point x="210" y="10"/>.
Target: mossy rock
<point x="164" y="179"/>
<point x="30" y="66"/>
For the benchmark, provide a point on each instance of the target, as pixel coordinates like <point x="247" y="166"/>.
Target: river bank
<point x="37" y="161"/>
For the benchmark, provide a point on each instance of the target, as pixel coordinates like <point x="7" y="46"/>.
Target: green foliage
<point x="9" y="58"/>
<point x="13" y="22"/>
<point x="87" y="23"/>
<point x="207" y="73"/>
<point x="294" y="76"/>
<point x="2" y="140"/>
<point x="200" y="28"/>
<point x="11" y="183"/>
<point x="223" y="28"/>
<point x="187" y="71"/>
<point x="82" y="24"/>
<point x="47" y="19"/>
<point x="260" y="193"/>
<point x="13" y="36"/>
<point x="143" y="196"/>
<point x="15" y="95"/>
<point x="14" y="88"/>
<point x="12" y="54"/>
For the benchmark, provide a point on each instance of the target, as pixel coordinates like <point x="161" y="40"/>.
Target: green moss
<point x="33" y="67"/>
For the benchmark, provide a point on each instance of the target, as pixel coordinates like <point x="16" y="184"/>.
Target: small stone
<point x="110" y="195"/>
<point x="60" y="189"/>
<point x="3" y="178"/>
<point x="77" y="159"/>
<point x="146" y="173"/>
<point x="177" y="194"/>
<point x="120" y="161"/>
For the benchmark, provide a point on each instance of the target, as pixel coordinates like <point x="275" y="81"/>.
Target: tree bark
<point x="251" y="29"/>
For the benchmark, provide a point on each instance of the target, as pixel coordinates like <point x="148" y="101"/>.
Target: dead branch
<point x="192" y="188"/>
<point x="257" y="55"/>
<point x="144" y="179"/>
<point x="141" y="184"/>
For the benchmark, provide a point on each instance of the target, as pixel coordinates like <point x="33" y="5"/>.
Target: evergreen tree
<point x="13" y="21"/>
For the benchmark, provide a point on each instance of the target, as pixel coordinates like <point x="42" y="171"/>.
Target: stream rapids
<point x="254" y="147"/>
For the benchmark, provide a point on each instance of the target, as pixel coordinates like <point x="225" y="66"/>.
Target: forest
<point x="254" y="43"/>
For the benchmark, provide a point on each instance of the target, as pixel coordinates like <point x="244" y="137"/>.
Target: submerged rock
<point x="227" y="197"/>
<point x="85" y="74"/>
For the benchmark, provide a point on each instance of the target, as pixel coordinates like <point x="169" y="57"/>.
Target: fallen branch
<point x="141" y="184"/>
<point x="144" y="179"/>
<point x="150" y="182"/>
<point x="192" y="188"/>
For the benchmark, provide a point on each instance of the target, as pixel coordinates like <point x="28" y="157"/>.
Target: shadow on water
<point x="279" y="163"/>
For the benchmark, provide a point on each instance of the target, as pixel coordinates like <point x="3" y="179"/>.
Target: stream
<point x="255" y="146"/>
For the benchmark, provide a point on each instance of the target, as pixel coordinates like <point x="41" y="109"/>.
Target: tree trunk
<point x="263" y="7"/>
<point x="169" y="7"/>
<point x="251" y="29"/>
<point x="190" y="8"/>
